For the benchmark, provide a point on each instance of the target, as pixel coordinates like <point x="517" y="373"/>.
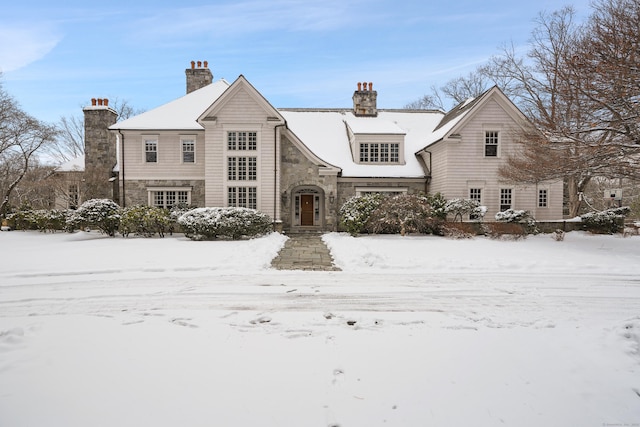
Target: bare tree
<point x="21" y="137"/>
<point x="455" y="91"/>
<point x="579" y="87"/>
<point x="70" y="142"/>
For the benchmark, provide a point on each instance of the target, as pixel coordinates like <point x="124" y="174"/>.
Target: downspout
<point x="124" y="198"/>
<point x="275" y="172"/>
<point x="428" y="167"/>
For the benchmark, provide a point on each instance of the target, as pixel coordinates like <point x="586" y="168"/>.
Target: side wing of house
<point x="465" y="161"/>
<point x="163" y="167"/>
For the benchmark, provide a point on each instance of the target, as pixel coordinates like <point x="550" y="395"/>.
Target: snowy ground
<point x="415" y="331"/>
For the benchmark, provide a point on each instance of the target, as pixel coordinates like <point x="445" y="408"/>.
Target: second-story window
<point x="151" y="150"/>
<point x="491" y="143"/>
<point x="188" y="151"/>
<point x="242" y="168"/>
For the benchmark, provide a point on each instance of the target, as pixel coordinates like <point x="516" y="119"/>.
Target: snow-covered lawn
<point x="415" y="331"/>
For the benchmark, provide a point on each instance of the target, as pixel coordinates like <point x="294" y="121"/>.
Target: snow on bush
<point x="103" y="214"/>
<point x="460" y="207"/>
<point x="355" y="212"/>
<point x="520" y="217"/>
<point x="405" y="213"/>
<point x="144" y="221"/>
<point x="233" y="223"/>
<point x="605" y="221"/>
<point x="42" y="219"/>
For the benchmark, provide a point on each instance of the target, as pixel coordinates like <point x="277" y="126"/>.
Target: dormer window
<point x="379" y="153"/>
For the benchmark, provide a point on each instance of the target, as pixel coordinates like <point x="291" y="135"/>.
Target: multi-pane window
<point x="505" y="199"/>
<point x="242" y="141"/>
<point x="242" y="197"/>
<point x="169" y="198"/>
<point x="475" y="194"/>
<point x="491" y="143"/>
<point x="543" y="198"/>
<point x="74" y="196"/>
<point x="188" y="151"/>
<point x="242" y="168"/>
<point x="379" y="153"/>
<point x="151" y="150"/>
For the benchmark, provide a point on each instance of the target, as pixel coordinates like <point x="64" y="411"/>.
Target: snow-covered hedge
<point x="144" y="221"/>
<point x="607" y="221"/>
<point x="41" y="219"/>
<point x="524" y="218"/>
<point x="103" y="214"/>
<point x="232" y="223"/>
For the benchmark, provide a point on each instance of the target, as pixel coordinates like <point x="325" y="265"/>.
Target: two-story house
<point x="224" y="144"/>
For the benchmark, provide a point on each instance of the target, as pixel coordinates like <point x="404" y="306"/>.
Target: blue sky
<point x="56" y="56"/>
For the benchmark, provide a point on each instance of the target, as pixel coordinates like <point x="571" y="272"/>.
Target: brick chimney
<point x="365" y="100"/>
<point x="198" y="76"/>
<point x="99" y="149"/>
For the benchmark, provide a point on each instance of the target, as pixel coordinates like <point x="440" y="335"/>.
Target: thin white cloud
<point x="248" y="17"/>
<point x="23" y="44"/>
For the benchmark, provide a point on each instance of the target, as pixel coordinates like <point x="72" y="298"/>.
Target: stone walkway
<point x="304" y="252"/>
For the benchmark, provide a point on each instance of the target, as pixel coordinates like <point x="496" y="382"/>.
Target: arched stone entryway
<point x="307" y="208"/>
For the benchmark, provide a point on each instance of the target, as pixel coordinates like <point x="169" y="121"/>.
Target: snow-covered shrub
<point x="144" y="221"/>
<point x="607" y="221"/>
<point x="461" y="207"/>
<point x="405" y="213"/>
<point x="518" y="217"/>
<point x="355" y="212"/>
<point x="41" y="219"/>
<point x="233" y="223"/>
<point x="50" y="219"/>
<point x="438" y="205"/>
<point x="22" y="219"/>
<point x="103" y="214"/>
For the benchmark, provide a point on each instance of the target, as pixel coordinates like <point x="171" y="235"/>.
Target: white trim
<point x="152" y="190"/>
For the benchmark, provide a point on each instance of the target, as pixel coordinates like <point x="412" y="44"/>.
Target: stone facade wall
<point x="136" y="192"/>
<point x="297" y="171"/>
<point x="347" y="186"/>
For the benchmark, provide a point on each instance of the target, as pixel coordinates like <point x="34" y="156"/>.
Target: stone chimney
<point x="365" y="100"/>
<point x="198" y="76"/>
<point x="99" y="150"/>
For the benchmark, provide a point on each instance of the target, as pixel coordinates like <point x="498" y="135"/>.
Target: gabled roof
<point x="455" y="119"/>
<point x="180" y="114"/>
<point x="240" y="83"/>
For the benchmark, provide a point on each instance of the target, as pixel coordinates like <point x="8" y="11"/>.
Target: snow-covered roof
<point x="324" y="133"/>
<point x="180" y="114"/>
<point x="72" y="165"/>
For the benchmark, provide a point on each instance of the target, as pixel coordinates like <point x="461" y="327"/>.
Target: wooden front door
<point x="306" y="209"/>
